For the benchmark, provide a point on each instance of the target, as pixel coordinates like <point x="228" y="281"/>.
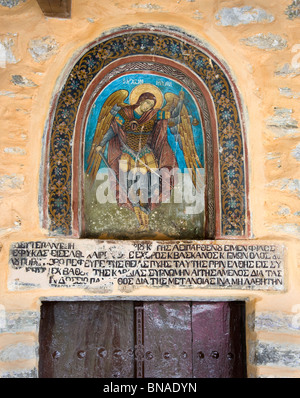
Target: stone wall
<point x="260" y="43"/>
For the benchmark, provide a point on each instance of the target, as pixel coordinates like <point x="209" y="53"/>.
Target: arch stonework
<point x="168" y="52"/>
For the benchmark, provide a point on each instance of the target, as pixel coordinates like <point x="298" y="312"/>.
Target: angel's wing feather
<point x="185" y="131"/>
<point x="103" y="124"/>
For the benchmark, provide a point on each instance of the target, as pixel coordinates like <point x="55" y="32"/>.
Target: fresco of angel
<point x="136" y="134"/>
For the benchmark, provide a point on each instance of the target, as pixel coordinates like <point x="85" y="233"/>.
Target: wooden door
<point x="142" y="340"/>
<point x="86" y="339"/>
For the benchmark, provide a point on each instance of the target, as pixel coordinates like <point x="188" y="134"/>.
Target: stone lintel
<point x="107" y="266"/>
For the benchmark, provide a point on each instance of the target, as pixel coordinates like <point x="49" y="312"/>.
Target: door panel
<point x="86" y="339"/>
<point x="167" y="340"/>
<point x="218" y="340"/>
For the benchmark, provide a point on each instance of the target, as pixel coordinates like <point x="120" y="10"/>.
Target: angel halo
<point x="146" y="88"/>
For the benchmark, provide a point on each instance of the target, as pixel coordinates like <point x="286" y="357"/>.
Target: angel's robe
<point x="157" y="142"/>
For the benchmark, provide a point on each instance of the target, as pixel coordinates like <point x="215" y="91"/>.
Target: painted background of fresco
<point x="168" y="220"/>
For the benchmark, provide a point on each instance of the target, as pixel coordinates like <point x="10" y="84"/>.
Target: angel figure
<point x="136" y="135"/>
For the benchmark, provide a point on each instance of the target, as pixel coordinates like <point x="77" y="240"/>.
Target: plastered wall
<point x="260" y="43"/>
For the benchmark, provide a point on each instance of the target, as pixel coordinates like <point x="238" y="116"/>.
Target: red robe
<point x="157" y="142"/>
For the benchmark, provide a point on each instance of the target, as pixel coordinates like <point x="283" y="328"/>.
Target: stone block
<point x="275" y="354"/>
<point x="275" y="322"/>
<point x="282" y="123"/>
<point x="288" y="185"/>
<point x="242" y="15"/>
<point x="11" y="3"/>
<point x="42" y="49"/>
<point x="289" y="93"/>
<point x="22" y="81"/>
<point x="148" y="6"/>
<point x="296" y="152"/>
<point x="20" y="321"/>
<point x="12" y="181"/>
<point x="293" y="10"/>
<point x="7" y="44"/>
<point x="267" y="41"/>
<point x="14" y="151"/>
<point x="20" y="374"/>
<point x="287" y="70"/>
<point x="18" y="352"/>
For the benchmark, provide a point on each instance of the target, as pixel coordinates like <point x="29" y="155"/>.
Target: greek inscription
<point x="153" y="264"/>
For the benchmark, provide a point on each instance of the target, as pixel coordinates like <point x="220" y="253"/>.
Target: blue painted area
<point x="166" y="85"/>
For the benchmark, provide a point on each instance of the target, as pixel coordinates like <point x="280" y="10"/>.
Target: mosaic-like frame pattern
<point x="190" y="55"/>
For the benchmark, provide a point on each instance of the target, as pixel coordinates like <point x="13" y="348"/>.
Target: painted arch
<point x="165" y="52"/>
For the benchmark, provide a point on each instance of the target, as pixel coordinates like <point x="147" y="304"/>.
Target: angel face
<point x="146" y="105"/>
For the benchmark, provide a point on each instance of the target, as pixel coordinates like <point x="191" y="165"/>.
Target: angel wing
<point x="103" y="124"/>
<point x="181" y="127"/>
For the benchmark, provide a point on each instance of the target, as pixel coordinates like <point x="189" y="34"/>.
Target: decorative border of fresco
<point x="191" y="55"/>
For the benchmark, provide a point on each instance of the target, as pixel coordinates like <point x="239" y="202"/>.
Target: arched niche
<point x="153" y="52"/>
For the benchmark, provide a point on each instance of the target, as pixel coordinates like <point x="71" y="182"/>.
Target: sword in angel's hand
<point x="99" y="150"/>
